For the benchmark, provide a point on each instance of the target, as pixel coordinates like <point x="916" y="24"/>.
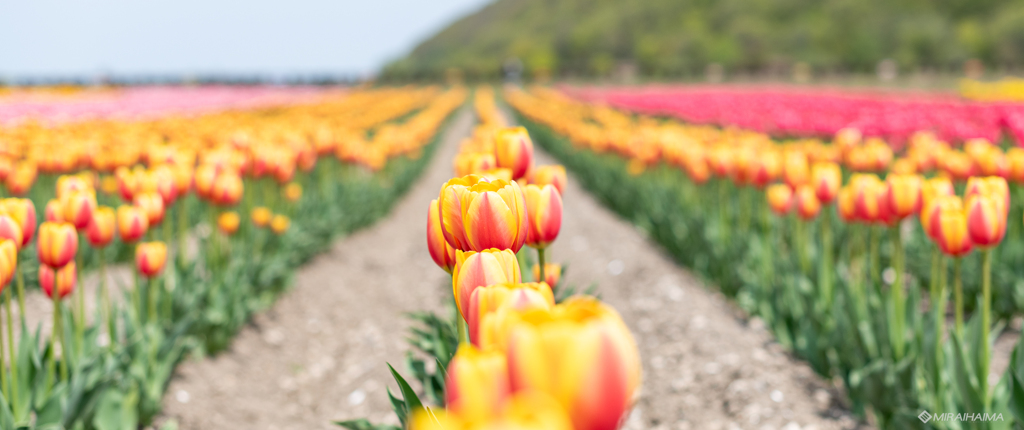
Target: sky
<point x="46" y="38"/>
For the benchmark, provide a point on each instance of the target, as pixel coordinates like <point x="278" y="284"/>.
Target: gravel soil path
<point x="318" y="355"/>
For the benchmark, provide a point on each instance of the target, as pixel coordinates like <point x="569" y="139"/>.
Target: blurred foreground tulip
<point x="9" y="229"/>
<point x="8" y="262"/>
<point x="279" y="224"/>
<point x="477" y="383"/>
<point x="521" y="411"/>
<point x="552" y="274"/>
<point x="826" y="178"/>
<point x="780" y="198"/>
<point x="53" y="211"/>
<point x="61" y="280"/>
<point x="520" y="297"/>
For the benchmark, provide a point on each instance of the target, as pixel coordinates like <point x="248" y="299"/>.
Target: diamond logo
<point x="925" y="416"/>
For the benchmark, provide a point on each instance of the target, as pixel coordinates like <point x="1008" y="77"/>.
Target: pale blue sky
<point x="91" y="37"/>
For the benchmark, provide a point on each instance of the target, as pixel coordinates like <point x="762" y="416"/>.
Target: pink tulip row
<point x="147" y="102"/>
<point x="820" y="112"/>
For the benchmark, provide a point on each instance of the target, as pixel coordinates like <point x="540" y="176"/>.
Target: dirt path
<point x="318" y="355"/>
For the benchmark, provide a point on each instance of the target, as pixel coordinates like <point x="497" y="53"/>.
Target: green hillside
<point x="681" y="37"/>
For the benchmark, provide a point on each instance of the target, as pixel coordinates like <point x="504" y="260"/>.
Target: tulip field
<point x="886" y="254"/>
<point x="214" y="206"/>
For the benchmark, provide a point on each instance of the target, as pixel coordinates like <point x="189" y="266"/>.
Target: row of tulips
<point x="854" y="308"/>
<point x="788" y="112"/>
<point x="519" y="360"/>
<point x="114" y="366"/>
<point x="1005" y="89"/>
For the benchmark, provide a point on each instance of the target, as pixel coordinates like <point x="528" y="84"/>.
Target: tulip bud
<point x="58" y="243"/>
<point x="54" y="211"/>
<point x="950" y="229"/>
<point x="279" y="224"/>
<point x="61" y="280"/>
<point x="580" y="352"/>
<point x="261" y="216"/>
<point x="544" y="215"/>
<point x="152" y="205"/>
<point x="477" y="383"/>
<point x="513" y="149"/>
<point x="826" y="178"/>
<point x="150" y="258"/>
<point x="9" y="229"/>
<point x="101" y="228"/>
<point x="78" y="208"/>
<point x="8" y="262"/>
<point x="869" y="191"/>
<point x="24" y="213"/>
<point x="550" y="175"/>
<point x="293" y="192"/>
<point x="903" y="195"/>
<point x="478" y="215"/>
<point x="986" y="219"/>
<point x="132" y="223"/>
<point x="780" y="198"/>
<point x="795" y="169"/>
<point x="766" y="168"/>
<point x="520" y="297"/>
<point x="552" y="273"/>
<point x="228" y="222"/>
<point x="480" y="269"/>
<point x="806" y="202"/>
<point x="442" y="253"/>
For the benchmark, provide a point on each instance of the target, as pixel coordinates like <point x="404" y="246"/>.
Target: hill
<point x="667" y="38"/>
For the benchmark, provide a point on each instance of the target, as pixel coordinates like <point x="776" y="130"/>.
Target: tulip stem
<point x="182" y="228"/>
<point x="896" y="295"/>
<point x="825" y="277"/>
<point x="151" y="293"/>
<point x="105" y="296"/>
<point x="723" y="209"/>
<point x="800" y="243"/>
<point x="873" y="260"/>
<point x="21" y="295"/>
<point x="986" y="321"/>
<point x="80" y="298"/>
<point x="3" y="371"/>
<point x="938" y="299"/>
<point x="958" y="298"/>
<point x="14" y="352"/>
<point x="540" y="262"/>
<point x="463" y="331"/>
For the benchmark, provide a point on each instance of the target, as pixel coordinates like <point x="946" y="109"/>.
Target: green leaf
<point x="412" y="401"/>
<point x="363" y="424"/>
<point x="967" y="384"/>
<point x="117" y="411"/>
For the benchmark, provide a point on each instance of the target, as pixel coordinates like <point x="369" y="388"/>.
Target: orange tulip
<point x="54" y="211"/>
<point x="544" y="212"/>
<point x="279" y="224"/>
<point x="806" y="202"/>
<point x="478" y="215"/>
<point x="513" y="149"/>
<point x="152" y="205"/>
<point x="129" y="182"/>
<point x="24" y="213"/>
<point x="228" y="222"/>
<point x="552" y="273"/>
<point x="480" y="269"/>
<point x="550" y="175"/>
<point x="58" y="243"/>
<point x="950" y="227"/>
<point x="869" y="192"/>
<point x="72" y="184"/>
<point x="132" y="223"/>
<point x="9" y="229"/>
<point x="101" y="228"/>
<point x="930" y="212"/>
<point x="986" y="219"/>
<point x="780" y="198"/>
<point x="826" y="178"/>
<point x="487" y="299"/>
<point x="442" y="253"/>
<point x="261" y="216"/>
<point x="477" y="383"/>
<point x="22" y="178"/>
<point x="205" y="176"/>
<point x="64" y="279"/>
<point x="580" y="352"/>
<point x="293" y="192"/>
<point x="1015" y="165"/>
<point x="767" y="168"/>
<point x="845" y="204"/>
<point x="78" y="207"/>
<point x="227" y="189"/>
<point x="903" y="195"/>
<point x="150" y="258"/>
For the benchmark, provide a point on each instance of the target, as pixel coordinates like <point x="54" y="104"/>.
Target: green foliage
<point x="671" y="38"/>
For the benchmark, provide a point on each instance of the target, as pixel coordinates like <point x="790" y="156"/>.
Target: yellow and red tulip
<point x="553" y="174"/>
<point x="150" y="258"/>
<point x="986" y="219"/>
<point x="101" y="228"/>
<point x="766" y="168"/>
<point x="544" y="212"/>
<point x="57" y="244"/>
<point x="152" y="205"/>
<point x="78" y="207"/>
<point x="62" y="280"/>
<point x="8" y="262"/>
<point x="442" y="253"/>
<point x="24" y="213"/>
<point x="795" y="171"/>
<point x="132" y="223"/>
<point x="477" y="383"/>
<point x="513" y="150"/>
<point x="806" y="202"/>
<point x="950" y="228"/>
<point x="521" y="411"/>
<point x="53" y="211"/>
<point x="552" y="273"/>
<point x="826" y="178"/>
<point x="478" y="215"/>
<point x="780" y="198"/>
<point x="520" y="297"/>
<point x="9" y="229"/>
<point x="480" y="269"/>
<point x="903" y="195"/>
<point x="227" y="189"/>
